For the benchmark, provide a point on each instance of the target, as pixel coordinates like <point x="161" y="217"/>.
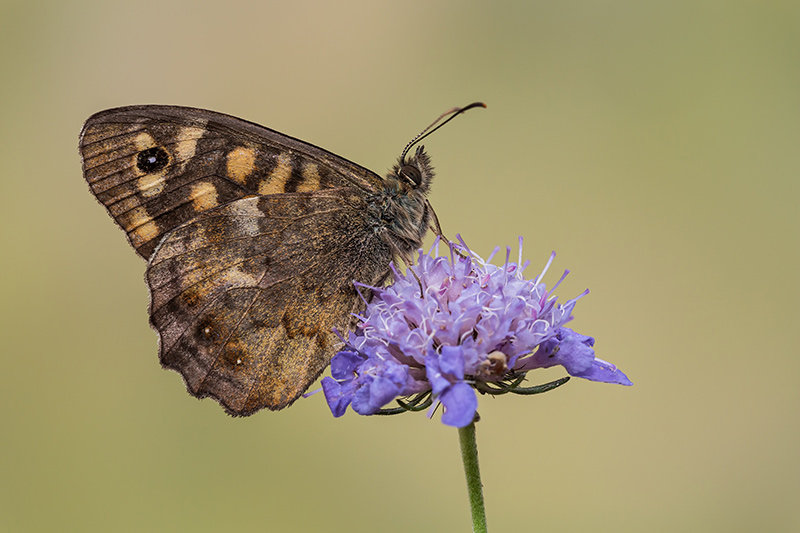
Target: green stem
<point x="469" y="454"/>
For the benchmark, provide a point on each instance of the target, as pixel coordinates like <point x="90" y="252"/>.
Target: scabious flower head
<point x="453" y="324"/>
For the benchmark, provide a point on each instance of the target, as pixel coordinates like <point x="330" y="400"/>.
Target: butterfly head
<point x="413" y="173"/>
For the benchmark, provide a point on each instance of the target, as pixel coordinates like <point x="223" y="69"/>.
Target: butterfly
<point x="253" y="241"/>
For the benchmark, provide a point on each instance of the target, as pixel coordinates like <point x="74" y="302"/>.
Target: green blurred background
<point x="654" y="145"/>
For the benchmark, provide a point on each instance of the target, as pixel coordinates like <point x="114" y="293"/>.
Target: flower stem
<point x="469" y="454"/>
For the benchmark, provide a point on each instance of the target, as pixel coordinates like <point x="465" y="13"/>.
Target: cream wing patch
<point x="240" y="163"/>
<point x="140" y="226"/>
<point x="275" y="183"/>
<point x="151" y="184"/>
<point x="186" y="143"/>
<point x="143" y="141"/>
<point x="310" y="178"/>
<point x="203" y="196"/>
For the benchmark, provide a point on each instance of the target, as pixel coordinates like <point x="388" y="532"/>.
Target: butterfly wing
<point x="157" y="167"/>
<point x="254" y="240"/>
<point x="245" y="296"/>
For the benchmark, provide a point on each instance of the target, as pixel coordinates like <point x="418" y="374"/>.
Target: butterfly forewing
<point x="156" y="167"/>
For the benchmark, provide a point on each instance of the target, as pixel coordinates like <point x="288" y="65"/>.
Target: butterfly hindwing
<point x="245" y="297"/>
<point x="157" y="167"/>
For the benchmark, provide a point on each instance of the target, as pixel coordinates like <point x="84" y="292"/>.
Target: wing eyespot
<point x="152" y="160"/>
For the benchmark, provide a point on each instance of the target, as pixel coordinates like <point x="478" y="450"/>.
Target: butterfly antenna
<point x="449" y="115"/>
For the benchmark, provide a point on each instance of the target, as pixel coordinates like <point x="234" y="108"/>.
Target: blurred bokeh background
<point x="654" y="145"/>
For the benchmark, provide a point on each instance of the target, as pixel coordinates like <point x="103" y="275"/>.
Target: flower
<point x="451" y="325"/>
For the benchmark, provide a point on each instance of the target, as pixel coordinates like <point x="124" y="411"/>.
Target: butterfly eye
<point x="412" y="174"/>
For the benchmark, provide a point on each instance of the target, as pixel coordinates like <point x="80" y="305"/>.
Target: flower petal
<point x="345" y="363"/>
<point x="605" y="372"/>
<point x="338" y="395"/>
<point x="460" y="404"/>
<point x="375" y="394"/>
<point x="451" y="361"/>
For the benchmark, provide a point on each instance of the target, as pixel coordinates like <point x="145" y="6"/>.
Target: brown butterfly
<point x="253" y="240"/>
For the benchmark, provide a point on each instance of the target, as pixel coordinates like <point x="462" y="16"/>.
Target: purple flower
<point x="456" y="324"/>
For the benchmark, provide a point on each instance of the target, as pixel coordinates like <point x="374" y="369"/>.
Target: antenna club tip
<point x="473" y="105"/>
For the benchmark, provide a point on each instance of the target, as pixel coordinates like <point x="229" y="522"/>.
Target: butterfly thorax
<point x="400" y="211"/>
